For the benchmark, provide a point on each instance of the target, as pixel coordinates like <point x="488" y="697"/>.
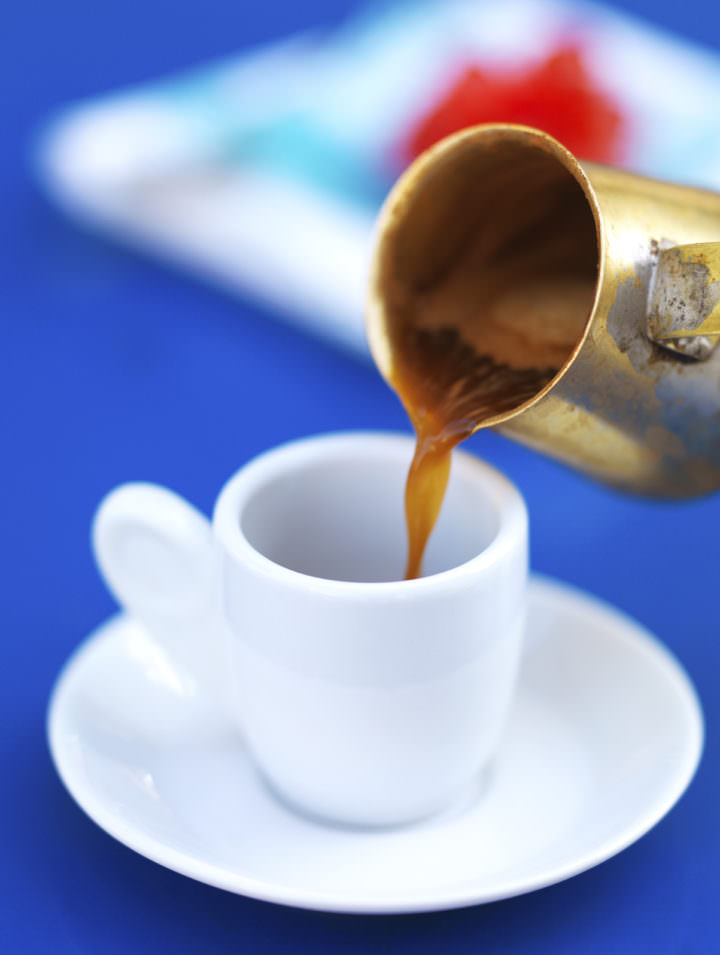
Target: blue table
<point x="114" y="368"/>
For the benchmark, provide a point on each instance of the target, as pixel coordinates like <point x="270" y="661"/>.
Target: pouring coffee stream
<point x="448" y="390"/>
<point x="514" y="287"/>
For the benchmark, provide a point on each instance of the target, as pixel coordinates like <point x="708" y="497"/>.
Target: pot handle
<point x="684" y="299"/>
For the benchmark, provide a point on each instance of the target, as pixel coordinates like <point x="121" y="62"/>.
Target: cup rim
<point x="240" y="487"/>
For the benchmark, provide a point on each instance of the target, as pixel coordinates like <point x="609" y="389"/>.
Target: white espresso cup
<point x="363" y="698"/>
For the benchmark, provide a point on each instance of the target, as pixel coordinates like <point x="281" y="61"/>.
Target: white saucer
<point x="605" y="735"/>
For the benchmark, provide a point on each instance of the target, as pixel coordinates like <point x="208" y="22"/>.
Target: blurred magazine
<point x="265" y="172"/>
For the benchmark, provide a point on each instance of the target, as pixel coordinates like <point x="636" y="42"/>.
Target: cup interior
<point x="337" y="511"/>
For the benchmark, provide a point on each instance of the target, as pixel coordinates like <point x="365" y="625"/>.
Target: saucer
<point x="605" y="735"/>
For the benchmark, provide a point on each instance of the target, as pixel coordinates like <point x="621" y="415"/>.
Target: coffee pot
<point x="537" y="258"/>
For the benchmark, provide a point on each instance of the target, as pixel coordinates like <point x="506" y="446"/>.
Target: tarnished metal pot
<point x="493" y="218"/>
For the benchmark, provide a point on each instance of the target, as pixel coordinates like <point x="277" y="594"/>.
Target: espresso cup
<point x="362" y="698"/>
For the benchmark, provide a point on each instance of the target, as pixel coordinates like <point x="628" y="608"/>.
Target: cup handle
<point x="157" y="556"/>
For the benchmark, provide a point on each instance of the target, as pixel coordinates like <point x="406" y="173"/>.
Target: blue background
<point x="115" y="368"/>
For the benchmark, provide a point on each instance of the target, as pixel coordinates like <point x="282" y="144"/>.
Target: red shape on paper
<point x="557" y="95"/>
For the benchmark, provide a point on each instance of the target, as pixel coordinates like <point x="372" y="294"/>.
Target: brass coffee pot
<point x="535" y="257"/>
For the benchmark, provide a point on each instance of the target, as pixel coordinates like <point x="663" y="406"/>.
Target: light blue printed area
<point x="691" y="156"/>
<point x="271" y="113"/>
<point x="296" y="147"/>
